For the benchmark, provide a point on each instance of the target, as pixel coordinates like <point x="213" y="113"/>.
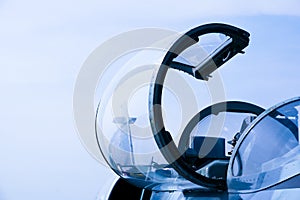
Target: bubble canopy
<point x="140" y="102"/>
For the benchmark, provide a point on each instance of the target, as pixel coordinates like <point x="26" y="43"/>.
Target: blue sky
<point x="44" y="44"/>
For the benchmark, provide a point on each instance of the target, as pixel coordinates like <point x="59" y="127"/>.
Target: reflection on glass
<point x="270" y="151"/>
<point x="200" y="51"/>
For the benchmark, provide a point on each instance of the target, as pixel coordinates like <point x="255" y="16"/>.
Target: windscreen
<point x="270" y="151"/>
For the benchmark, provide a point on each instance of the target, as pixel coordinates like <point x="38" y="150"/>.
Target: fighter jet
<point x="227" y="150"/>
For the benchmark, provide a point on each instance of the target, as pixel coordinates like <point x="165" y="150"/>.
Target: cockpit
<point x="155" y="132"/>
